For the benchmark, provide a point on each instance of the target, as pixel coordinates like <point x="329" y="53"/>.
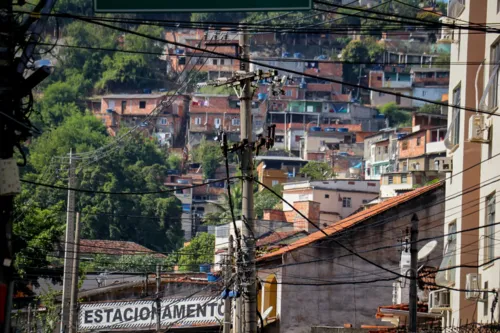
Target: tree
<point x="394" y="115"/>
<point x="317" y="170"/>
<point x="129" y="263"/>
<point x="209" y="154"/>
<point x="430" y="108"/>
<point x="359" y="52"/>
<point x="223" y="214"/>
<point x="199" y="251"/>
<point x="265" y="199"/>
<point x="443" y="60"/>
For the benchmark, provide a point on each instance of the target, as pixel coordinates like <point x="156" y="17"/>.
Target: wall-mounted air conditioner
<point x="444" y="164"/>
<point x="473" y="286"/>
<point x="439" y="300"/>
<point x="478" y="131"/>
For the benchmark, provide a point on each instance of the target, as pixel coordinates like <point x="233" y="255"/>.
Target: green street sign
<point x="161" y="6"/>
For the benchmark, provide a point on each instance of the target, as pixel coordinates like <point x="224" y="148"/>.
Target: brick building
<point x="130" y="110"/>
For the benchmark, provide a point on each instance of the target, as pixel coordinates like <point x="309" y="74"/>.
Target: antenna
<point x="426" y="250"/>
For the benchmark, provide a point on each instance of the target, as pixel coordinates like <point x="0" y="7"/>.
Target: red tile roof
<point x="113" y="247"/>
<point x="353" y="220"/>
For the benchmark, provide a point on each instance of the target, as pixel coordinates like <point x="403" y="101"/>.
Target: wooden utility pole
<point x="228" y="269"/>
<point x="413" y="275"/>
<point x="158" y="298"/>
<point x="69" y="249"/>
<point x="73" y="312"/>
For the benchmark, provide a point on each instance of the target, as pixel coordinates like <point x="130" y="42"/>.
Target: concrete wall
<point x="430" y="93"/>
<point x="301" y="307"/>
<point x="412" y="146"/>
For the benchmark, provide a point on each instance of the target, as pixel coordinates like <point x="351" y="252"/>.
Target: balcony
<point x="435" y="147"/>
<point x="397" y="84"/>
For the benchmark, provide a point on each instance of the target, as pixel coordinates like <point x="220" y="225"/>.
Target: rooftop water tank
<point x="182" y="181"/>
<point x="303" y="85"/>
<point x="261" y="96"/>
<point x="297" y="55"/>
<point x="205" y="268"/>
<point x="342" y="129"/>
<point x="330" y="129"/>
<point x="315" y="129"/>
<point x="285" y="54"/>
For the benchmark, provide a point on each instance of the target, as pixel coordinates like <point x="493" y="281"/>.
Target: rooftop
<point x="353" y="220"/>
<point x="279" y="158"/>
<point x="278" y="237"/>
<point x="133" y="96"/>
<point x="114" y="247"/>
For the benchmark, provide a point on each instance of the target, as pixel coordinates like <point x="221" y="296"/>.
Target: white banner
<point x="142" y="314"/>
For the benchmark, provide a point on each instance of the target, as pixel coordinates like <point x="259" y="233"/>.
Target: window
<point x="365" y="201"/>
<point x="163" y="121"/>
<point x="390" y="180"/>
<point x="235" y="122"/>
<point x="405" y="166"/>
<point x="217" y="122"/>
<point x="378" y="150"/>
<point x="142" y="104"/>
<point x="124" y="106"/>
<point x="424" y="92"/>
<point x="489" y="231"/>
<point x="327" y="196"/>
<point x="376" y="170"/>
<point x="197" y="121"/>
<point x="398" y="99"/>
<point x="221" y="61"/>
<point x="418" y="141"/>
<point x="495" y="58"/>
<point x="417" y="166"/>
<point x="404" y="179"/>
<point x="381" y="94"/>
<point x="456" y="116"/>
<point x="386" y="149"/>
<point x="404" y="145"/>
<point x="346" y="202"/>
<point x="446" y="277"/>
<point x="274" y="182"/>
<point x="214" y="61"/>
<point x="288" y="93"/>
<point x="498" y="6"/>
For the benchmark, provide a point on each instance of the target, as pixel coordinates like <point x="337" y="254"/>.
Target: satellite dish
<point x="426" y="250"/>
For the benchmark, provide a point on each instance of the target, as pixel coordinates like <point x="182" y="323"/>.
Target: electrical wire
<point x="126" y="193"/>
<point x="280" y="68"/>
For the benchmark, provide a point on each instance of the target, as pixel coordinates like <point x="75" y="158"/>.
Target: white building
<point x="337" y="198"/>
<point x="471" y="189"/>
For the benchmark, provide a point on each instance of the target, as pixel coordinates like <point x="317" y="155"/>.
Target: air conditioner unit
<point x="478" y="129"/>
<point x="444" y="164"/>
<point x="439" y="300"/>
<point x="473" y="285"/>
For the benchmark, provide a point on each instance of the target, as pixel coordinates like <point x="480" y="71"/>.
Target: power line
<point x="284" y="69"/>
<point x="127" y="193"/>
<point x="194" y="55"/>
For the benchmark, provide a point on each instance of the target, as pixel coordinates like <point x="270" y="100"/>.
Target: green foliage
<point x="174" y="162"/>
<point x="395" y="116"/>
<point x="129" y="263"/>
<point x="199" y="251"/>
<point x="266" y="200"/>
<point x="222" y="90"/>
<point x="428" y="16"/>
<point x="209" y="154"/>
<point x="317" y="170"/>
<point x="223" y="214"/>
<point x="47" y="320"/>
<point x="430" y="108"/>
<point x="358" y="51"/>
<point x="443" y="60"/>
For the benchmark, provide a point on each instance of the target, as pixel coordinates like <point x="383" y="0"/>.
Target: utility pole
<point x="228" y="274"/>
<point x="73" y="312"/>
<point x="158" y="298"/>
<point x="413" y="274"/>
<point x="248" y="248"/>
<point x="28" y="330"/>
<point x="69" y="248"/>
